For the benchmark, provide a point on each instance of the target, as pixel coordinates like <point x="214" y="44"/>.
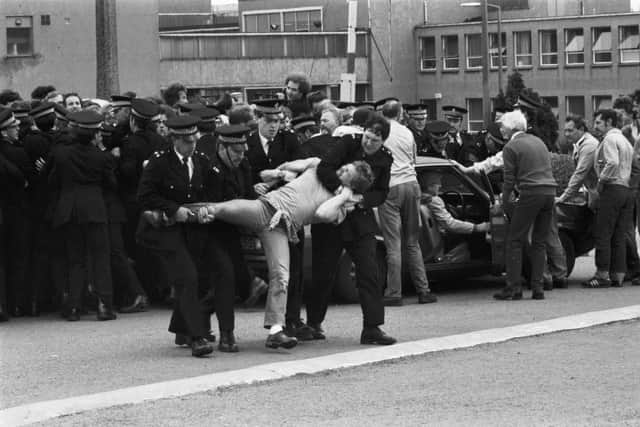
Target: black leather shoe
<point x="280" y="339"/>
<point x="34" y="309"/>
<point x="547" y="286"/>
<point x="426" y="298"/>
<point x="392" y="301"/>
<point x="182" y="340"/>
<point x="300" y="330"/>
<point x="200" y="347"/>
<point x="140" y="303"/>
<point x="562" y="283"/>
<point x="73" y="315"/>
<point x="227" y="342"/>
<point x="317" y="332"/>
<point x="375" y="335"/>
<point x="105" y="312"/>
<point x="211" y="337"/>
<point x="507" y="294"/>
<point x="616" y="284"/>
<point x="17" y="312"/>
<point x="537" y="295"/>
<point x="4" y="317"/>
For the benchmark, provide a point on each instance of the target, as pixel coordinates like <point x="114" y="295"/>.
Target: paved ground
<point x="587" y="377"/>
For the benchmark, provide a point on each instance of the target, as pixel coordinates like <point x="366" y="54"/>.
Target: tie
<point x="185" y="162"/>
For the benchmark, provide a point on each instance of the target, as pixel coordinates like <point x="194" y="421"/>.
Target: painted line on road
<point x="40" y="411"/>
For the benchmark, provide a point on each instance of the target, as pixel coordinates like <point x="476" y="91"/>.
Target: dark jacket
<point x="38" y="145"/>
<point x="165" y="187"/>
<point x="116" y="213"/>
<point x="81" y="172"/>
<point x="360" y="221"/>
<point x="17" y="195"/>
<point x="137" y="148"/>
<point x="283" y="148"/>
<point x="316" y="146"/>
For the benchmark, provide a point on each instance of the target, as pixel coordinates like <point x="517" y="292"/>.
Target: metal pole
<point x="499" y="48"/>
<point x="486" y="97"/>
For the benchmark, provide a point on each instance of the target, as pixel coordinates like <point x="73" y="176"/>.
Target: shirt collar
<point x="180" y="156"/>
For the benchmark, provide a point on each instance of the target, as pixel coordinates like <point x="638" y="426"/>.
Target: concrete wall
<point x="334" y="11"/>
<point x="64" y="52"/>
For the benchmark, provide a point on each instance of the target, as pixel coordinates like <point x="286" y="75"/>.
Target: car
<point x="445" y="256"/>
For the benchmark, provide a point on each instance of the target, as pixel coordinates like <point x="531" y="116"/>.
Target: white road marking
<point x="40" y="411"/>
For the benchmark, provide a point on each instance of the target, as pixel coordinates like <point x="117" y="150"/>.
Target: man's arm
<point x="331" y="162"/>
<point x="585" y="165"/>
<point x="377" y="194"/>
<point x="444" y="218"/>
<point x="150" y="192"/>
<point x="334" y="209"/>
<point x="510" y="170"/>
<point x="611" y="160"/>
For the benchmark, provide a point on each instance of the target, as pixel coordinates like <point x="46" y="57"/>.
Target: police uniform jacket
<point x="15" y="153"/>
<point x="37" y="145"/>
<point x="361" y="220"/>
<point x="116" y="213"/>
<point x="430" y="151"/>
<point x="165" y="186"/>
<point x="462" y="148"/>
<point x="80" y="172"/>
<point x="283" y="148"/>
<point x="316" y="146"/>
<point x="137" y="148"/>
<point x="11" y="179"/>
<point x="208" y="144"/>
<point x="422" y="140"/>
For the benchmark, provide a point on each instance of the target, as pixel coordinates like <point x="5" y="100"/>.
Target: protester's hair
<point x="299" y="108"/>
<point x="171" y="94"/>
<point x="304" y="86"/>
<point x="45" y="123"/>
<point x="624" y="103"/>
<point x="578" y="121"/>
<point x="514" y="120"/>
<point x="378" y="125"/>
<point x="68" y="95"/>
<point x="635" y="96"/>
<point x="240" y="114"/>
<point x="315" y="96"/>
<point x="41" y="92"/>
<point x="363" y="179"/>
<point x="607" y="114"/>
<point x="224" y="103"/>
<point x="167" y="111"/>
<point x="8" y="96"/>
<point x="391" y="109"/>
<point x="51" y="95"/>
<point x="334" y="112"/>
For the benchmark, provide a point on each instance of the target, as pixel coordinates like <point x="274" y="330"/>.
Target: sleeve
<point x="446" y="220"/>
<point x="109" y="180"/>
<point x="611" y="160"/>
<point x="331" y="162"/>
<point x="490" y="164"/>
<point x="510" y="172"/>
<point x="249" y="192"/>
<point x="634" y="179"/>
<point x="378" y="192"/>
<point x="585" y="164"/>
<point x="10" y="172"/>
<point x="149" y="191"/>
<point x="128" y="163"/>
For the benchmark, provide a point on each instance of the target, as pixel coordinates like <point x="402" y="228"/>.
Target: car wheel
<point x="569" y="250"/>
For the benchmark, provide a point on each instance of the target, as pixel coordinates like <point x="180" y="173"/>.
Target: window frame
<point x="568" y="53"/>
<point x="468" y="56"/>
<point x="594" y="104"/>
<point x="444" y="53"/>
<point x="547" y="54"/>
<point x="621" y="50"/>
<point x="423" y="59"/>
<point x="16" y="25"/>
<point x="517" y="55"/>
<point x="473" y="121"/>
<point x="505" y="51"/>
<point x="294" y="10"/>
<point x="566" y="107"/>
<point x="595" y="52"/>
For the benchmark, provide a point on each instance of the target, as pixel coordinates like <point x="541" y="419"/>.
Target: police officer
<point x="437" y="140"/>
<point x="357" y="232"/>
<point x="417" y="121"/>
<point x="171" y="179"/>
<point x="462" y="146"/>
<point x="207" y="127"/>
<point x="230" y="179"/>
<point x="81" y="173"/>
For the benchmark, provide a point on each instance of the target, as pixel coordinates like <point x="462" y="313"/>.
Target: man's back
<point x="402" y="146"/>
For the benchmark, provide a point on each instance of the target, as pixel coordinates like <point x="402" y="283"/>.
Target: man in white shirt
<point x="399" y="214"/>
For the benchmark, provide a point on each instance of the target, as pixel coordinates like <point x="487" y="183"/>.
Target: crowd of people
<point x="108" y="205"/>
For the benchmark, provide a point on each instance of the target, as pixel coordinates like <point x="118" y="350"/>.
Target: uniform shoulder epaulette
<point x="215" y="168"/>
<point x="201" y="154"/>
<point x="385" y="150"/>
<point x="159" y="153"/>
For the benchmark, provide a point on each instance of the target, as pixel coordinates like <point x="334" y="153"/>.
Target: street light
<point x="485" y="51"/>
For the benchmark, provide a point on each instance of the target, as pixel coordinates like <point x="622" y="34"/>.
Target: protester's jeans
<point x="400" y="224"/>
<point x="613" y="218"/>
<point x="529" y="211"/>
<point x="276" y="250"/>
<point x="556" y="265"/>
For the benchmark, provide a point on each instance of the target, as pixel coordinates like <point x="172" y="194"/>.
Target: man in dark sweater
<point x="527" y="169"/>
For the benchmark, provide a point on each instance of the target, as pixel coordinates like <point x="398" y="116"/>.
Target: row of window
<point x="574" y="48"/>
<point x="286" y="20"/>
<point x="574" y="105"/>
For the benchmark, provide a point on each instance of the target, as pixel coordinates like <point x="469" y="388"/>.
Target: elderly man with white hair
<point x="527" y="169"/>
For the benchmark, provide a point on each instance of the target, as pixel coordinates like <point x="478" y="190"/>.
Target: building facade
<point x="54" y="42"/>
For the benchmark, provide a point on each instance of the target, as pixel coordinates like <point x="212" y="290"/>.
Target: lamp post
<point x="485" y="52"/>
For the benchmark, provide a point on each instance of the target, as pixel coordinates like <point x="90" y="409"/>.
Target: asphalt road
<point x="588" y="377"/>
<point x="48" y="358"/>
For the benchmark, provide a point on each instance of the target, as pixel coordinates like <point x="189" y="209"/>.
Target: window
<point x="19" y="36"/>
<point x="428" y="53"/>
<point x="45" y="19"/>
<point x="474" y="51"/>
<point x="432" y="110"/>
<point x="286" y="20"/>
<point x="302" y="21"/>
<point x="548" y="47"/>
<point x="575" y="105"/>
<point x="475" y="121"/>
<point x="601" y="48"/>
<point x="629" y="44"/>
<point x="574" y="46"/>
<point x="602" y="101"/>
<point x="450" y="52"/>
<point x="522" y="49"/>
<point x="494" y="52"/>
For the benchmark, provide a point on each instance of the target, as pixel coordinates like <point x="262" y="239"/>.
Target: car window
<point x="451" y="181"/>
